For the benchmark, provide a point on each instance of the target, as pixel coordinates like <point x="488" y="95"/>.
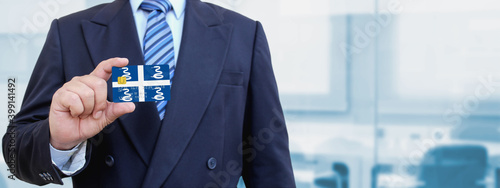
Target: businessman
<point x="223" y="121"/>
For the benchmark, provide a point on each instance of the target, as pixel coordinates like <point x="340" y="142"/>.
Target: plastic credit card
<point x="141" y="83"/>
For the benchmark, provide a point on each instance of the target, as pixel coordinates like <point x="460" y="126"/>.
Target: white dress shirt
<point x="71" y="161"/>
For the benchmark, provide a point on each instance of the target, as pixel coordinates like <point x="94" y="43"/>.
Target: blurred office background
<point x="376" y="93"/>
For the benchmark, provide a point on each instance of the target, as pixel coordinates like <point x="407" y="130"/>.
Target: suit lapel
<point x="112" y="33"/>
<point x="201" y="58"/>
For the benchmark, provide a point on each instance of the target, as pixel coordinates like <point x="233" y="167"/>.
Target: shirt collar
<point x="177" y="5"/>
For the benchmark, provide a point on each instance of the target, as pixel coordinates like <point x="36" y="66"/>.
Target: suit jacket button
<point x="212" y="163"/>
<point x="110" y="161"/>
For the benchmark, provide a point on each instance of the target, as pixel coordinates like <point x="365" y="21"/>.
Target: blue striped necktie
<point x="158" y="41"/>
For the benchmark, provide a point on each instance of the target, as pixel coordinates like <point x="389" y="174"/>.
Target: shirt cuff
<point x="69" y="161"/>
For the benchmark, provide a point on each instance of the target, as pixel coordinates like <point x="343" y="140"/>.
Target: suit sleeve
<point x="266" y="156"/>
<point x="26" y="144"/>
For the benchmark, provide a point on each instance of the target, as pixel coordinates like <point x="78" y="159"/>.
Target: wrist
<point x="63" y="146"/>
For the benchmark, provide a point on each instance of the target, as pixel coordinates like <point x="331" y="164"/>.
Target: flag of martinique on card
<point x="141" y="83"/>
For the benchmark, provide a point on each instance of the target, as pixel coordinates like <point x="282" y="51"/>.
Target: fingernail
<point x="97" y="115"/>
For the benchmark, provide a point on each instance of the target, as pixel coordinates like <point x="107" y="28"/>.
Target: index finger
<point x="103" y="70"/>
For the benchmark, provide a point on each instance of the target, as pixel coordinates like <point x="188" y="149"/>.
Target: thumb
<point x="103" y="70"/>
<point x="115" y="110"/>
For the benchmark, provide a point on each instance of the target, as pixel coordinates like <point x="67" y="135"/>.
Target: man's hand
<point x="79" y="109"/>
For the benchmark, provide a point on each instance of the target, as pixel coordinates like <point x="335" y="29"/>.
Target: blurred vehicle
<point x="454" y="166"/>
<point x="338" y="179"/>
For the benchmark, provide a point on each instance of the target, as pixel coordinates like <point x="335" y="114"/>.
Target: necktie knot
<point x="156" y="5"/>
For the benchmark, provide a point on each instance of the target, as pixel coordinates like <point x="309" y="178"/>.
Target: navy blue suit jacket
<point x="224" y="120"/>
